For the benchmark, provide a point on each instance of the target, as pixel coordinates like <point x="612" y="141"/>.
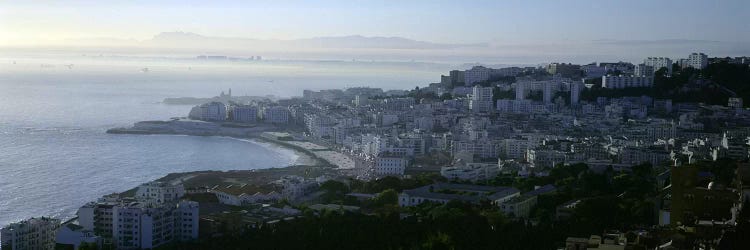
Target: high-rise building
<point x="476" y="74"/>
<point x="481" y="99"/>
<point x="698" y="60"/>
<point x="276" y="114"/>
<point x="566" y="70"/>
<point x="457" y="77"/>
<point x="212" y="111"/>
<point x="643" y="70"/>
<point x="139" y="225"/>
<point x="520" y="91"/>
<point x="34" y="233"/>
<point x="621" y="82"/>
<point x="244" y="113"/>
<point x="575" y="93"/>
<point x="547" y="92"/>
<point x="593" y="71"/>
<point x="159" y="192"/>
<point x="659" y="62"/>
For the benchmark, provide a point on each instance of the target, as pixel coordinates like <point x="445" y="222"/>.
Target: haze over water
<point x="55" y="155"/>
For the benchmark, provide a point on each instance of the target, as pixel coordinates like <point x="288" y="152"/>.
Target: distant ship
<point x="145" y="70"/>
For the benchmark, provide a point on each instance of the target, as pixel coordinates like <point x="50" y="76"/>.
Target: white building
<point x="481" y="99"/>
<point x="471" y="171"/>
<point x="659" y="62"/>
<point x="295" y="187"/>
<point x="547" y="92"/>
<point x="386" y="164"/>
<point x="424" y="123"/>
<point x="476" y="74"/>
<point x="159" y="192"/>
<point x="593" y="71"/>
<point x="621" y="82"/>
<point x="520" y="91"/>
<point x="138" y="225"/>
<point x="735" y="102"/>
<point x="212" y="111"/>
<point x="186" y="220"/>
<point x="398" y="104"/>
<point x="522" y="205"/>
<point x="360" y="100"/>
<point x="276" y="114"/>
<point x="643" y="70"/>
<point x="515" y="148"/>
<point x="575" y="93"/>
<point x="698" y="61"/>
<point x="97" y="216"/>
<point x="73" y="235"/>
<point x="444" y="192"/>
<point x="34" y="233"/>
<point x="237" y="195"/>
<point x="244" y="113"/>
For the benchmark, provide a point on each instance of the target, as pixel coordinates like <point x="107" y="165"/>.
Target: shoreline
<point x="259" y="132"/>
<point x="230" y="130"/>
<point x="307" y="163"/>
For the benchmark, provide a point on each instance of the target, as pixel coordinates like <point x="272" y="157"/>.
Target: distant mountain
<point x="192" y="40"/>
<point x="655" y="42"/>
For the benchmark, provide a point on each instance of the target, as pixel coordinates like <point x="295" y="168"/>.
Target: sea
<point x="54" y="110"/>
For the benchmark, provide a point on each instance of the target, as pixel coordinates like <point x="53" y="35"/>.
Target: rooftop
<point x="235" y="189"/>
<point x="462" y="192"/>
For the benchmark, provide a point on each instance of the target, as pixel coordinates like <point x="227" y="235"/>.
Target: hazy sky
<point x="437" y="21"/>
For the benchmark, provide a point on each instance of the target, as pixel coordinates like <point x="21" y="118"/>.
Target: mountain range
<point x="192" y="40"/>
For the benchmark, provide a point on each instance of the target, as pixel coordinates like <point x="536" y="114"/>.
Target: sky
<point x="511" y="31"/>
<point x="436" y="21"/>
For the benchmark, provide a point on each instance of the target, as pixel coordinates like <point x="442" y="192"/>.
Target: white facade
<point x="97" y="217"/>
<point x="295" y="187"/>
<point x="659" y="62"/>
<point x="735" y="102"/>
<point x="186" y="218"/>
<point x="643" y="70"/>
<point x="360" y="100"/>
<point x="398" y="104"/>
<point x="213" y="111"/>
<point x="621" y="82"/>
<point x="159" y="192"/>
<point x="34" y="233"/>
<point x="137" y="225"/>
<point x="593" y="71"/>
<point x="276" y="114"/>
<point x="481" y="99"/>
<point x="520" y="91"/>
<point x="445" y="192"/>
<point x="471" y="171"/>
<point x="390" y="165"/>
<point x="237" y="195"/>
<point x="476" y="74"/>
<point x="575" y="93"/>
<point x="74" y="235"/>
<point x="244" y="113"/>
<point x="547" y="92"/>
<point x="519" y="207"/>
<point x="698" y="61"/>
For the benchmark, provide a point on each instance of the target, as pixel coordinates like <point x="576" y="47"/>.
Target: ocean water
<point x="55" y="155"/>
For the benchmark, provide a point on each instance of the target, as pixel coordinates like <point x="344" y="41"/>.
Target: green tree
<point x="387" y="197"/>
<point x="334" y="191"/>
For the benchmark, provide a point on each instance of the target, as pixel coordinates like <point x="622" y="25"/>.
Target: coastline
<point x="176" y="126"/>
<point x="309" y="162"/>
<point x="231" y="130"/>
